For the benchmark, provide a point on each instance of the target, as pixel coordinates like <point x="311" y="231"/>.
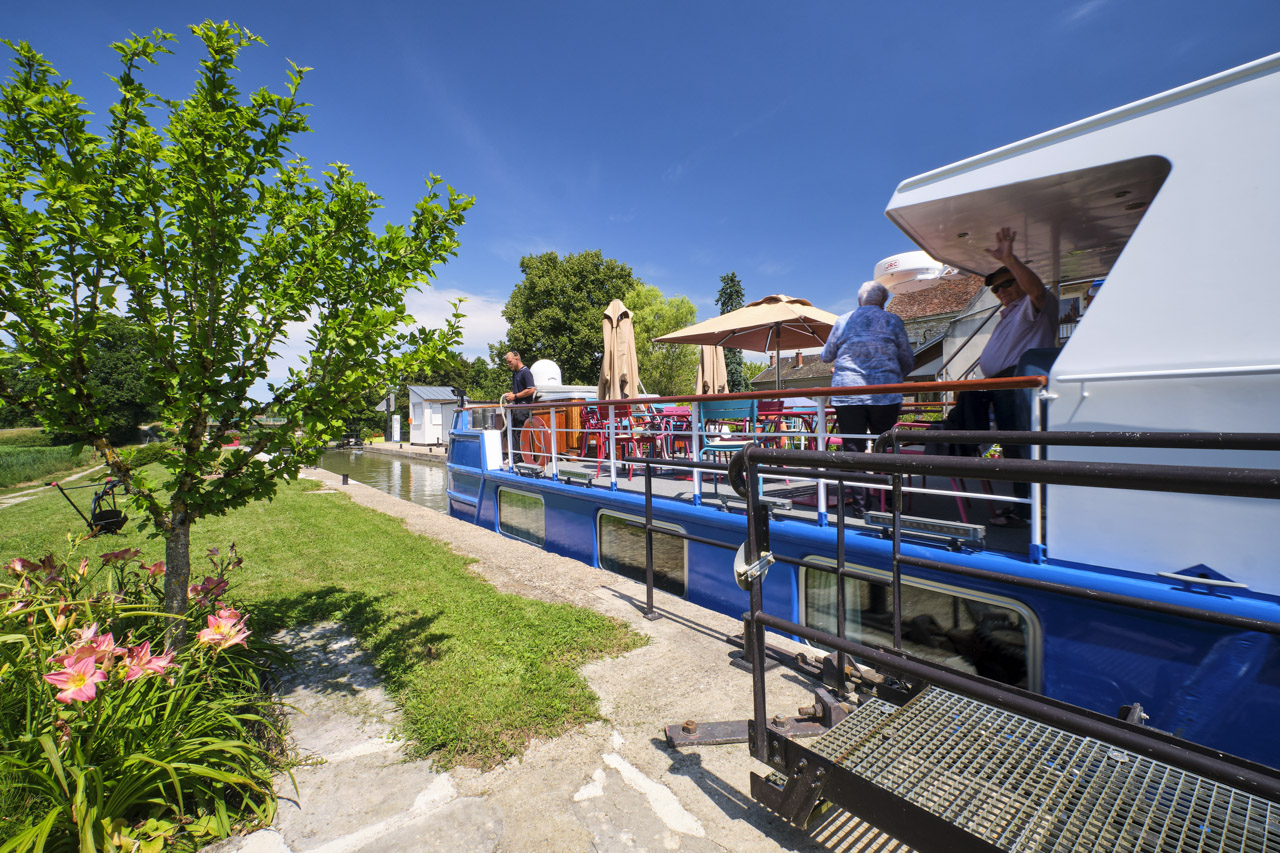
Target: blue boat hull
<point x="1206" y="683"/>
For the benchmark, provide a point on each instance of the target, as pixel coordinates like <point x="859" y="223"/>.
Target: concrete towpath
<point x="608" y="786"/>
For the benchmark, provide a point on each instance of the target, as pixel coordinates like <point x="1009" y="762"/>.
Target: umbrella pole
<point x="777" y="357"/>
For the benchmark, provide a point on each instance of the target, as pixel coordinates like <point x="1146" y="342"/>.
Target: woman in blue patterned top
<point x="870" y="347"/>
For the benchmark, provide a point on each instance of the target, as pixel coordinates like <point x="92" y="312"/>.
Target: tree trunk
<point x="177" y="576"/>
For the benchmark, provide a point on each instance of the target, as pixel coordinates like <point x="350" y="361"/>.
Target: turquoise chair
<point x="741" y="412"/>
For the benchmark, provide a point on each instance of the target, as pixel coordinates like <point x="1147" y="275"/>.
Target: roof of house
<point x="945" y="297"/>
<point x="811" y="369"/>
<point x="433" y="392"/>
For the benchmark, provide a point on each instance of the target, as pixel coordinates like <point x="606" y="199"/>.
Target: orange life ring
<point x="535" y="441"/>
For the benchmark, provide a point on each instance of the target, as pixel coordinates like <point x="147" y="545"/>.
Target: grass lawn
<point x="477" y="672"/>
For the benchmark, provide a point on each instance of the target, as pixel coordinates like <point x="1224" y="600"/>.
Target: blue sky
<point x="686" y="139"/>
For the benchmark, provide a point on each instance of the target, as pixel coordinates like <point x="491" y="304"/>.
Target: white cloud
<point x="483" y="325"/>
<point x="1085" y="10"/>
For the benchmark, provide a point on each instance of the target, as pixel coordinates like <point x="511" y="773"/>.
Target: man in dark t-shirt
<point x="522" y="389"/>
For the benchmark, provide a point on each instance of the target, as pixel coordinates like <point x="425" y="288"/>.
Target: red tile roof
<point x="942" y="298"/>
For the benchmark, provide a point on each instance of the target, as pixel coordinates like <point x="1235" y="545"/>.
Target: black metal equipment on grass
<point x="104" y="516"/>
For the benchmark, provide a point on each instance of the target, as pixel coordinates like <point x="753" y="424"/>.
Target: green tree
<point x="212" y="237"/>
<point x="751" y="369"/>
<point x="729" y="298"/>
<point x="24" y="384"/>
<point x="118" y="381"/>
<point x="556" y="311"/>
<point x="487" y="382"/>
<point x="119" y="384"/>
<point x="665" y="369"/>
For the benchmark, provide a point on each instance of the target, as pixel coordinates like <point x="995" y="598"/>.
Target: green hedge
<point x="33" y="464"/>
<point x="25" y="438"/>
<point x="149" y="453"/>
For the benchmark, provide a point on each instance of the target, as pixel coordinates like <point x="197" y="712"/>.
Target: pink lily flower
<point x="76" y="655"/>
<point x="155" y="569"/>
<point x="19" y="566"/>
<point x="126" y="554"/>
<point x="105" y="648"/>
<point x="208" y="591"/>
<point x="78" y="682"/>
<point x="225" y="629"/>
<point x="140" y="661"/>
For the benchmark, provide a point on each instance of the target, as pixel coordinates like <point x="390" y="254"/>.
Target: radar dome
<point x="909" y="271"/>
<point x="545" y="373"/>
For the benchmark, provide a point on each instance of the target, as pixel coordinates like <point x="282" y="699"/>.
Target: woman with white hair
<point x="870" y="347"/>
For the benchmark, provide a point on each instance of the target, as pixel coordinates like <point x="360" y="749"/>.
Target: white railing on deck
<point x="663" y="441"/>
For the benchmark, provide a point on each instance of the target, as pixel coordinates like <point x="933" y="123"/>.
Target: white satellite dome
<point x="545" y="373"/>
<point x="909" y="271"/>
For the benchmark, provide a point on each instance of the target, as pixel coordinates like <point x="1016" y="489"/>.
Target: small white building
<point x="430" y="411"/>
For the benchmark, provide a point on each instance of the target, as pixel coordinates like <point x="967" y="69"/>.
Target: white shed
<point x="430" y="410"/>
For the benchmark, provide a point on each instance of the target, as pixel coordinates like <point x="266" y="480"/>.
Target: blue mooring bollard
<point x="344" y="479"/>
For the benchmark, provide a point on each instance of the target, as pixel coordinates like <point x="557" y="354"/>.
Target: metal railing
<point x="779" y="427"/>
<point x="1254" y="483"/>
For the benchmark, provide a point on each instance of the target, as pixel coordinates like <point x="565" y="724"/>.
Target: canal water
<point x="422" y="483"/>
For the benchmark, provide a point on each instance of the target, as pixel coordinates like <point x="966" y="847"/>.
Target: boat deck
<point x="675" y="484"/>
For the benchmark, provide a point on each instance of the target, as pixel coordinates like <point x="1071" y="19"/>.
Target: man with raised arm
<point x="1028" y="320"/>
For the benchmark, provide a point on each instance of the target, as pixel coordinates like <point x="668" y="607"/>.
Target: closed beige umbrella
<point x="619" y="369"/>
<point x="767" y="324"/>
<point x="713" y="375"/>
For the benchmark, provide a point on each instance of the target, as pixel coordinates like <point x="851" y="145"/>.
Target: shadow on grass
<point x="398" y="643"/>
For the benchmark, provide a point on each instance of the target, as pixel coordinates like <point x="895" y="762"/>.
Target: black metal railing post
<point x="648" y="543"/>
<point x="841" y="627"/>
<point x="757" y="544"/>
<point x="897" y="564"/>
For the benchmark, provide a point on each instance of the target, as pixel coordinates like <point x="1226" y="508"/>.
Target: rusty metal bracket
<point x="693" y="733"/>
<point x="796" y="800"/>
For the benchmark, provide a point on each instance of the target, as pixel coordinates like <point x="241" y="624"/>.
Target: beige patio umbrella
<point x="619" y="369"/>
<point x="713" y="375"/>
<point x="767" y="324"/>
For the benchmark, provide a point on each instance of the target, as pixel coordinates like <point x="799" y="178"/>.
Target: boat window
<point x="992" y="636"/>
<point x="622" y="550"/>
<point x="522" y="515"/>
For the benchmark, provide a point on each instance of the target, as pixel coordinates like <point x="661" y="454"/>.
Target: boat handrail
<point x="1084" y="438"/>
<point x="1002" y="384"/>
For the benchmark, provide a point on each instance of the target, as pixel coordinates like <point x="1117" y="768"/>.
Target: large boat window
<point x="991" y="636"/>
<point x="622" y="550"/>
<point x="522" y="515"/>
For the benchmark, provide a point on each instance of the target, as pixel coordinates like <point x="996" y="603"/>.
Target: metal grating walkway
<point x="1022" y="785"/>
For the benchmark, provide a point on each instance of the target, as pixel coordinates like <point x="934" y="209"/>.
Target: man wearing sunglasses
<point x="1028" y="320"/>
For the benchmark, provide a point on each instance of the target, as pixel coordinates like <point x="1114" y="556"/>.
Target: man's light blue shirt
<point x="870" y="347"/>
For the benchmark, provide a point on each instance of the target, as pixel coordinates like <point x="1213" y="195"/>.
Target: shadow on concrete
<point x="394" y="642"/>
<point x="835" y="830"/>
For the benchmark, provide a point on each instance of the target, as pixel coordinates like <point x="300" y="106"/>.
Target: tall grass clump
<point x="32" y="464"/>
<point x="108" y="743"/>
<point x="27" y="437"/>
